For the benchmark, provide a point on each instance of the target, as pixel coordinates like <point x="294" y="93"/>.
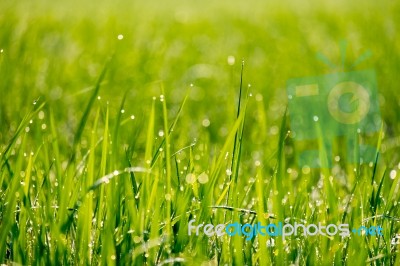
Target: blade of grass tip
<point x="171" y="129"/>
<point x="85" y="212"/>
<point x="56" y="150"/>
<point x="133" y="180"/>
<point x="378" y="147"/>
<point x="235" y="163"/>
<point x="236" y="145"/>
<point x="348" y="204"/>
<point x="278" y="178"/>
<point x="280" y="164"/>
<point x="20" y="128"/>
<point x="110" y="200"/>
<point x="117" y="127"/>
<point x="167" y="152"/>
<point x="88" y="108"/>
<point x="378" y="192"/>
<point x="216" y="168"/>
<point x="146" y="188"/>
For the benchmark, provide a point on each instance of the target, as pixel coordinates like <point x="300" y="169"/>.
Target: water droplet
<point x="1" y="51"/>
<point x="168" y="197"/>
<point x="270" y="243"/>
<point x="231" y="60"/>
<point x="122" y="111"/>
<point x="132" y="117"/>
<point x="228" y="172"/>
<point x="206" y="122"/>
<point x="137" y="239"/>
<point x="190" y="178"/>
<point x="44" y="126"/>
<point x="41" y="115"/>
<point x="120" y="37"/>
<point x="393" y="174"/>
<point x="315" y="118"/>
<point x="203" y="178"/>
<point x="161" y="133"/>
<point x="306" y="169"/>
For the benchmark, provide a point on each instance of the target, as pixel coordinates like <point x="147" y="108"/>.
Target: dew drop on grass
<point x="393" y="174"/>
<point x="315" y="118"/>
<point x="1" y="51"/>
<point x="231" y="60"/>
<point x="205" y="122"/>
<point x="122" y="111"/>
<point x="203" y="178"/>
<point x="120" y="36"/>
<point x="41" y="115"/>
<point x="132" y="117"/>
<point x="306" y="169"/>
<point x="229" y="172"/>
<point x="168" y="197"/>
<point x="161" y="133"/>
<point x="190" y="178"/>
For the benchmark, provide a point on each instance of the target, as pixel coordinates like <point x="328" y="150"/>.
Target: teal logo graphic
<point x="324" y="108"/>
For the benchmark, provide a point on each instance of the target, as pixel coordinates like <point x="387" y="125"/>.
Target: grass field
<point x="121" y="121"/>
